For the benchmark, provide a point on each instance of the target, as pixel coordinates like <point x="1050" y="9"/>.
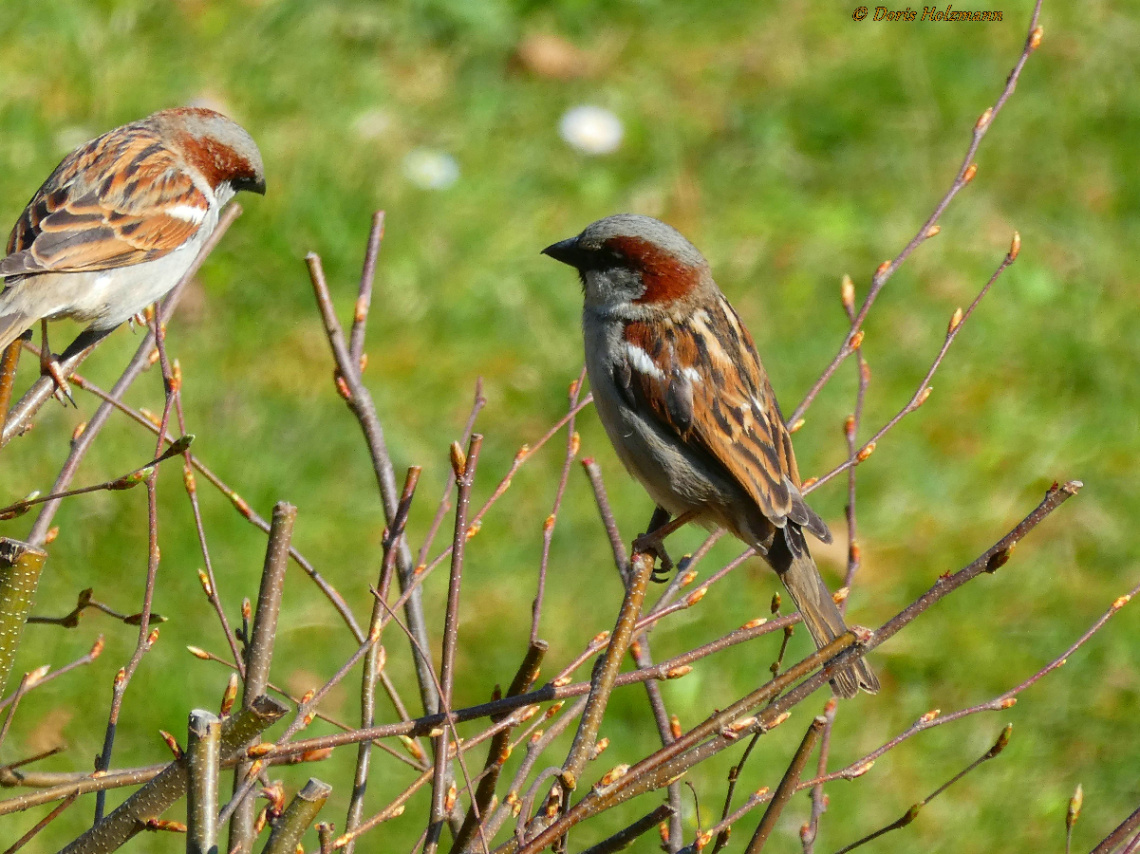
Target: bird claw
<point x="651" y="544"/>
<point x="50" y="367"/>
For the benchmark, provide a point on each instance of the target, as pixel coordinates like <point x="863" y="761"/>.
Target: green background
<point x="790" y="143"/>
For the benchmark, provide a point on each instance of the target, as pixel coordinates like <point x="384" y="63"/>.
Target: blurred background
<point x="792" y="145"/>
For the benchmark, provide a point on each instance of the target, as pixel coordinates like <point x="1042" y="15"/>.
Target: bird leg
<point x="652" y="542"/>
<point x="49" y="367"/>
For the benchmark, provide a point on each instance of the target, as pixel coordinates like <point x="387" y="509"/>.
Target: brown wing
<point x="705" y="383"/>
<point x="122" y="199"/>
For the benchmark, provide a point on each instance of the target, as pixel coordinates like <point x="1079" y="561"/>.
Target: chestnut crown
<point x="630" y="258"/>
<point x="220" y="148"/>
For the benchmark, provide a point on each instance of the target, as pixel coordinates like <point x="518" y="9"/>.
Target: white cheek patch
<point x="642" y="363"/>
<point x="187" y="213"/>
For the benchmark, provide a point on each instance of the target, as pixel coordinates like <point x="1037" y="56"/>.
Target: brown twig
<point x="259" y="654"/>
<point x="372" y="663"/>
<point x="20" y="567"/>
<point x="912" y="813"/>
<point x="965" y="174"/>
<point x="572" y="445"/>
<point x="625" y="838"/>
<point x="922" y="392"/>
<point x="301" y="812"/>
<point x="169" y="785"/>
<point x="40" y="825"/>
<point x="445" y="499"/>
<point x="360" y="401"/>
<point x="464" y="467"/>
<point x="498" y="752"/>
<point x="787" y="787"/>
<point x="203" y="763"/>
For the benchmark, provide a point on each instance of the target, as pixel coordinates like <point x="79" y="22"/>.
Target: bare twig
<point x="203" y="761"/>
<point x="360" y="402"/>
<point x="20" y="567"/>
<point x="259" y="652"/>
<point x="787" y="787"/>
<point x="169" y="785"/>
<point x="301" y="812"/>
<point x="912" y="813"/>
<point x="626" y="837"/>
<point x="372" y="663"/>
<point x="965" y="174"/>
<point x="464" y="468"/>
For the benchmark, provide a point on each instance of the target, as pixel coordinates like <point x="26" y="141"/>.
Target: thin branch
<point x="360" y="402"/>
<point x="787" y="787"/>
<point x="912" y="813"/>
<point x="965" y="174"/>
<point x="464" y="468"/>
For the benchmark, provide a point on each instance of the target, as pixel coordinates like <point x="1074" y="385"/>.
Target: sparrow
<point x="689" y="409"/>
<point x="121" y="219"/>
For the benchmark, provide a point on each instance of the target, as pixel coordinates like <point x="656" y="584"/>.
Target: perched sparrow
<point x="687" y="404"/>
<point x="121" y="219"/>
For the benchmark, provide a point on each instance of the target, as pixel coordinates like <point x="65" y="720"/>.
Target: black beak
<point x="254" y="184"/>
<point x="566" y="251"/>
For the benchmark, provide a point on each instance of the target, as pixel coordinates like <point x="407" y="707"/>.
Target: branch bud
<point x="881" y="270"/>
<point x="847" y="293"/>
<point x="414" y="750"/>
<point x="955" y="321"/>
<point x="696" y="596"/>
<point x="933" y="231"/>
<point x="867" y="450"/>
<point x="796" y="425"/>
<point x="612" y="776"/>
<point x="675" y="727"/>
<point x="204" y="580"/>
<point x="599" y="748"/>
<point x="929" y="716"/>
<point x="984" y="119"/>
<point x="679" y="671"/>
<point x="856" y="340"/>
<point x="776" y="721"/>
<point x="969" y="174"/>
<point x="36" y="676"/>
<point x="1075" y="804"/>
<point x="755" y="624"/>
<point x="1001" y="743"/>
<point x="229" y="696"/>
<point x="1035" y="38"/>
<point x="922" y="397"/>
<point x="458" y="460"/>
<point x="1015" y="246"/>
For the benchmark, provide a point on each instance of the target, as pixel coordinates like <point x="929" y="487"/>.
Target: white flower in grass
<point x="591" y="130"/>
<point x="429" y="169"/>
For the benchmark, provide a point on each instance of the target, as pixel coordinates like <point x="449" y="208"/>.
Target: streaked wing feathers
<point x="705" y="384"/>
<point x="122" y="199"/>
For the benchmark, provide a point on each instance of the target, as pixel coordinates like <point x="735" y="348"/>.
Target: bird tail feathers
<point x="790" y="557"/>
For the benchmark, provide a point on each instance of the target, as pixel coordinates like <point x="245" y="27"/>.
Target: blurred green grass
<point x="793" y="145"/>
